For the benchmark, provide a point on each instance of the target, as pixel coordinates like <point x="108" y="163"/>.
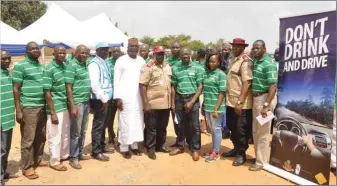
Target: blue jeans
<point x="215" y="125"/>
<point x="223" y="123"/>
<point x="98" y="127"/>
<point x="188" y="124"/>
<point x="78" y="129"/>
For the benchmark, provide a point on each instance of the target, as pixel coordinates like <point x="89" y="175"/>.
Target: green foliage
<point x="21" y="14"/>
<point x="126" y="33"/>
<point x="195" y="45"/>
<point x="148" y="40"/>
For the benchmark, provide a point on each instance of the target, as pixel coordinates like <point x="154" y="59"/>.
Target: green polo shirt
<point x="77" y="74"/>
<point x="187" y="78"/>
<point x="148" y="60"/>
<point x="29" y="73"/>
<point x="214" y="82"/>
<point x="111" y="63"/>
<point x="7" y="101"/>
<point x="264" y="74"/>
<point x="199" y="63"/>
<point x="53" y="80"/>
<point x="172" y="61"/>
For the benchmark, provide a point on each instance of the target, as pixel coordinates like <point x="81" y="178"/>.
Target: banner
<point x="302" y="135"/>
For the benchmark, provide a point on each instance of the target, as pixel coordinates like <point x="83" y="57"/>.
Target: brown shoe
<point x="195" y="156"/>
<point x="255" y="167"/>
<point x="176" y="152"/>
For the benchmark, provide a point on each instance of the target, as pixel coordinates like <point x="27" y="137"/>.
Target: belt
<point x="259" y="94"/>
<point x="185" y="95"/>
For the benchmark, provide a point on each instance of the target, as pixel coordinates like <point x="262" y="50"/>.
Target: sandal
<point x="59" y="167"/>
<point x="137" y="152"/>
<point x="30" y="174"/>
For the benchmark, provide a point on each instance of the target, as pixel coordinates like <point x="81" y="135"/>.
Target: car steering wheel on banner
<point x="292" y="125"/>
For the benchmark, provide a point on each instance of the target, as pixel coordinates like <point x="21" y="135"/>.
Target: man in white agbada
<point x="128" y="100"/>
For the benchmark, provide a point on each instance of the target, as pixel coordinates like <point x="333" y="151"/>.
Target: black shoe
<point x="163" y="149"/>
<point x="100" y="157"/>
<point x="333" y="170"/>
<point x="152" y="155"/>
<point x="239" y="160"/>
<point x="174" y="145"/>
<point x="226" y="135"/>
<point x="231" y="153"/>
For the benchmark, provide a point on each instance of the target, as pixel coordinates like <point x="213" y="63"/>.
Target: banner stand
<point x="287" y="175"/>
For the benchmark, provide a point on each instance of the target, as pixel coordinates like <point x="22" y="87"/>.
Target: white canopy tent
<point x="9" y="35"/>
<point x="53" y="26"/>
<point x="96" y="29"/>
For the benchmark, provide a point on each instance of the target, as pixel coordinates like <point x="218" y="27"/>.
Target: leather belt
<point x="185" y="95"/>
<point x="259" y="94"/>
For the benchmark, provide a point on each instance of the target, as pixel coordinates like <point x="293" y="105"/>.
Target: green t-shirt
<point x="77" y="74"/>
<point x="187" y="78"/>
<point x="53" y="80"/>
<point x="148" y="60"/>
<point x="264" y="74"/>
<point x="111" y="64"/>
<point x="214" y="82"/>
<point x="29" y="73"/>
<point x="200" y="63"/>
<point x="172" y="61"/>
<point x="7" y="101"/>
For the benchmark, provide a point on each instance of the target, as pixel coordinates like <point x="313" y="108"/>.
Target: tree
<point x="219" y="42"/>
<point x="148" y="40"/>
<point x="168" y="40"/>
<point x="21" y="14"/>
<point x="195" y="45"/>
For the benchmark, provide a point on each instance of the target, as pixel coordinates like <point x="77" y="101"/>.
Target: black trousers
<point x="6" y="141"/>
<point x="155" y="129"/>
<point x="109" y="123"/>
<point x="240" y="127"/>
<point x="188" y="126"/>
<point x="98" y="128"/>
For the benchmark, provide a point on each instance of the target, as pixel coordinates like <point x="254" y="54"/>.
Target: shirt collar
<point x="263" y="58"/>
<point x="30" y="60"/>
<point x="78" y="62"/>
<point x="57" y="65"/>
<point x="4" y="70"/>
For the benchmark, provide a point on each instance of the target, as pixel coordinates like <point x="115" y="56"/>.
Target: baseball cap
<point x="102" y="44"/>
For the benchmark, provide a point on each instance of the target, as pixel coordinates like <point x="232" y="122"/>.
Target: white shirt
<point x="94" y="74"/>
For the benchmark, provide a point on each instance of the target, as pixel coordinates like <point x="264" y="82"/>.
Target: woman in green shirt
<point x="214" y="107"/>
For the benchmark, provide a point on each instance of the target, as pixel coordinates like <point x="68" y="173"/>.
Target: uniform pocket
<point x="235" y="85"/>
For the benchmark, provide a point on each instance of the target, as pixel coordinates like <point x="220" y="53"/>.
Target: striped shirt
<point x="187" y="78"/>
<point x="53" y="80"/>
<point x="173" y="62"/>
<point x="7" y="101"/>
<point x="214" y="82"/>
<point x="77" y="74"/>
<point x="199" y="63"/>
<point x="30" y="74"/>
<point x="264" y="74"/>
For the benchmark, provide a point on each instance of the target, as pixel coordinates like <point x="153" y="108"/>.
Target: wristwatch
<point x="239" y="102"/>
<point x="266" y="104"/>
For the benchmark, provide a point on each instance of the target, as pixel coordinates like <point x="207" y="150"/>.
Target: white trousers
<point x="58" y="138"/>
<point x="125" y="148"/>
<point x="333" y="150"/>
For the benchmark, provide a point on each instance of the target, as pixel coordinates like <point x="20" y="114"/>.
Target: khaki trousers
<point x="33" y="136"/>
<point x="261" y="132"/>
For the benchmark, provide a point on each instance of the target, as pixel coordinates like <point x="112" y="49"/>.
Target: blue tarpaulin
<point x="20" y="50"/>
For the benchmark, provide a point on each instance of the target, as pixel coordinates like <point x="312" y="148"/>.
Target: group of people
<point x="228" y="88"/>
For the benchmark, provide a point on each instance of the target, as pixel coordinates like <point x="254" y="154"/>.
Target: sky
<point x="203" y="20"/>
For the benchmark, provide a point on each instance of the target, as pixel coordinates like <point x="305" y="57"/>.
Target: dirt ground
<point x="166" y="170"/>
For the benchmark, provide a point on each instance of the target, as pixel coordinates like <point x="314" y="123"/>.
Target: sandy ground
<point x="166" y="170"/>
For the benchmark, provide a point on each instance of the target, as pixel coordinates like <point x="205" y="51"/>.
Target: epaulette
<point x="151" y="63"/>
<point x="245" y="57"/>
